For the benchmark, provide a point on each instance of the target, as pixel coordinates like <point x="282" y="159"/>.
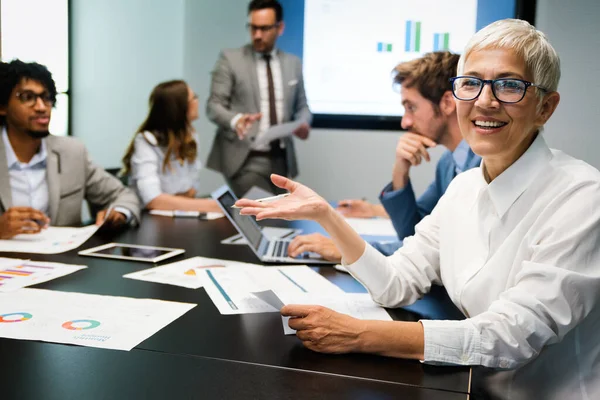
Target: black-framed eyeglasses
<point x="262" y="28"/>
<point x="506" y="90"/>
<point x="29" y="98"/>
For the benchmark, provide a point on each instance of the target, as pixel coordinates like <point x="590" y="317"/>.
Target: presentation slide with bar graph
<point x="350" y="47"/>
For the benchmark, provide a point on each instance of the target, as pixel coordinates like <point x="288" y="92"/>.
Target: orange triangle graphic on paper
<point x="190" y="272"/>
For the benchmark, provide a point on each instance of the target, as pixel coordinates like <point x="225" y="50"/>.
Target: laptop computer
<point x="267" y="250"/>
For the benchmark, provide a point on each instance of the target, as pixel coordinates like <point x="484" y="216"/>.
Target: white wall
<point x="120" y="51"/>
<point x="573" y="29"/>
<point x="209" y="28"/>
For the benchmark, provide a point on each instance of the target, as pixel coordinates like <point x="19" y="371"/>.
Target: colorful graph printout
<point x="118" y="323"/>
<point x="52" y="240"/>
<point x="16" y="274"/>
<point x="185" y="273"/>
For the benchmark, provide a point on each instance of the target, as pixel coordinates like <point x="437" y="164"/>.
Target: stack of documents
<point x="231" y="289"/>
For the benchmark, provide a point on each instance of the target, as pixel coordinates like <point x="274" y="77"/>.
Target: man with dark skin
<point x="44" y="178"/>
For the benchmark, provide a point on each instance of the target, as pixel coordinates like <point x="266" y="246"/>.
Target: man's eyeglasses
<point x="262" y="28"/>
<point x="506" y="90"/>
<point x="29" y="98"/>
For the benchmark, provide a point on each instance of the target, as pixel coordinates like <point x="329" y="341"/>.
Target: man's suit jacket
<point x="234" y="90"/>
<point x="72" y="177"/>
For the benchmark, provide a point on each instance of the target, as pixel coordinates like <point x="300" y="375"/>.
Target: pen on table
<point x="267" y="199"/>
<point x="345" y="203"/>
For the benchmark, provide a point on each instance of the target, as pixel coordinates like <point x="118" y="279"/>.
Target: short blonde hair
<point x="541" y="60"/>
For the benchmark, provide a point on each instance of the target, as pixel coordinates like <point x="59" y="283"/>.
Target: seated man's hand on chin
<point x="114" y="220"/>
<point x="18" y="220"/>
<point x="315" y="243"/>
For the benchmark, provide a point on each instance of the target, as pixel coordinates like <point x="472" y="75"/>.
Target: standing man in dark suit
<point x="253" y="88"/>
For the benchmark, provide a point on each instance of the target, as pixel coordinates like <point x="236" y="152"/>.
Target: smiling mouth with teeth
<point x="489" y="124"/>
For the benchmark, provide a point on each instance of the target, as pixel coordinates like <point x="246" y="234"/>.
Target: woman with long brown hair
<point x="161" y="160"/>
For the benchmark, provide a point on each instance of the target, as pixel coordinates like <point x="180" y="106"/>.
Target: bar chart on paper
<point x="16" y="274"/>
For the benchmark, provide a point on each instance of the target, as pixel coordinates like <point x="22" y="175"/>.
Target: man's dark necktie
<point x="272" y="108"/>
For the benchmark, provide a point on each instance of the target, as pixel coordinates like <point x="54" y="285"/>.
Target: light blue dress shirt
<point x="28" y="183"/>
<point x="406" y="211"/>
<point x="29" y="187"/>
<point x="147" y="177"/>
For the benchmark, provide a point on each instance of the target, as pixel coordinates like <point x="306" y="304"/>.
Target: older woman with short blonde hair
<point x="515" y="242"/>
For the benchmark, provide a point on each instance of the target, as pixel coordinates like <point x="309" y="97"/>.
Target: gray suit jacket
<point x="234" y="90"/>
<point x="72" y="177"/>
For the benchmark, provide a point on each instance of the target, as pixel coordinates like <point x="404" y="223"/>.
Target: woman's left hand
<point x="301" y="203"/>
<point x="324" y="330"/>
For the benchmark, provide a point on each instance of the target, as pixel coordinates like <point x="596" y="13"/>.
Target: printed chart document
<point x="357" y="305"/>
<point x="16" y="274"/>
<point x="372" y="226"/>
<point x="185" y="273"/>
<point x="118" y="323"/>
<point x="278" y="132"/>
<point x="269" y="231"/>
<point x="52" y="240"/>
<point x="231" y="289"/>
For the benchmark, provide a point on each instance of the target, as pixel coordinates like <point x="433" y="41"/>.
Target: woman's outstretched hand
<point x="302" y="203"/>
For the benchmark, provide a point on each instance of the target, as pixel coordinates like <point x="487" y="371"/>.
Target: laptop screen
<point x="245" y="223"/>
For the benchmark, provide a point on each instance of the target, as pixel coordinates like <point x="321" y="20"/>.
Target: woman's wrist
<point x="326" y="217"/>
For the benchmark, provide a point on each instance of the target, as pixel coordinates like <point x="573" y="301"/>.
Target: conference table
<point x="204" y="354"/>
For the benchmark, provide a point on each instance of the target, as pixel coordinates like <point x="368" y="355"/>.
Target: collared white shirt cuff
<point x="371" y="274"/>
<point x="125" y="211"/>
<point x="234" y="121"/>
<point x="451" y="342"/>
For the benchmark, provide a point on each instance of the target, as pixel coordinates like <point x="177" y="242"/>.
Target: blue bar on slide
<point x="379" y="47"/>
<point x="436" y="41"/>
<point x="408" y="30"/>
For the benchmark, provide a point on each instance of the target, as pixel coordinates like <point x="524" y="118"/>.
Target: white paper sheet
<point x="357" y="305"/>
<point x="277" y="132"/>
<point x="16" y="274"/>
<point x="185" y="273"/>
<point x="118" y="323"/>
<point x="270" y="232"/>
<point x="231" y="289"/>
<point x="372" y="226"/>
<point x="187" y="214"/>
<point x="52" y="240"/>
<point x="269" y="297"/>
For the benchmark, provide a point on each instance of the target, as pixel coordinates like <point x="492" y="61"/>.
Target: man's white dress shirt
<point x="263" y="87"/>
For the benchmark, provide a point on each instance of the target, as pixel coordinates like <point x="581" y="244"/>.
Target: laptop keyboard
<point x="280" y="248"/>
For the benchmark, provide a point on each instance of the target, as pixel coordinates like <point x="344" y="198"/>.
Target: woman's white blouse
<point x="147" y="176"/>
<point x="521" y="258"/>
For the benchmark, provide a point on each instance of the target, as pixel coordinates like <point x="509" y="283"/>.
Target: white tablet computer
<point x="134" y="252"/>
